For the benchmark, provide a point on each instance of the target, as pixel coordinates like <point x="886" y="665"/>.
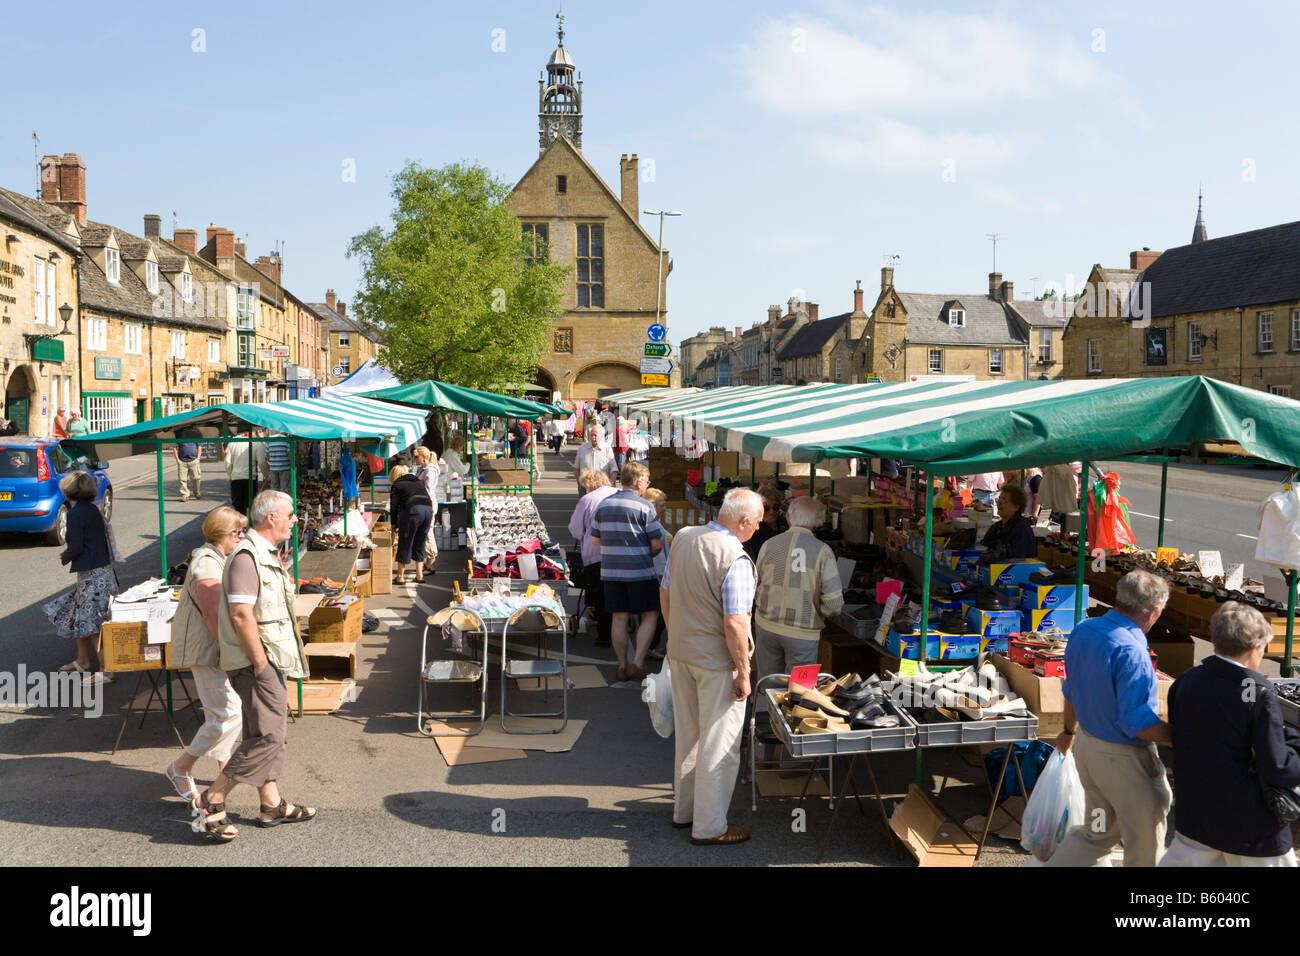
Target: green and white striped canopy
<point x="971" y="427"/>
<point x="350" y="418"/>
<point x="641" y="395"/>
<point x="446" y="397"/>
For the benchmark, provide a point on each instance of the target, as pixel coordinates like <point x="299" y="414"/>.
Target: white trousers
<point x="222" y="712"/>
<point x="707" y="724"/>
<point x="1187" y="852"/>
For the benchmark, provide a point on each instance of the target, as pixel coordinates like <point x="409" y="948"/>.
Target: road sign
<point x="656" y="333"/>
<point x="654" y="380"/>
<point x="279" y="351"/>
<point x="656" y="366"/>
<point x="661" y="349"/>
<point x="337" y="370"/>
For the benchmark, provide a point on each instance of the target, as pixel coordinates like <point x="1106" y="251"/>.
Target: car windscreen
<point x="17" y="462"/>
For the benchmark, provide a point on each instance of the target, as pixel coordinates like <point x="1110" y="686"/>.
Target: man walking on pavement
<point x="260" y="649"/>
<point x="594" y="455"/>
<point x="709" y="644"/>
<point x="187" y="469"/>
<point x="1111" y="719"/>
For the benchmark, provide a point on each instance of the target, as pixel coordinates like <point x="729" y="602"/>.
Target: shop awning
<point x="970" y="427"/>
<point x="368" y="377"/>
<point x="446" y="397"/>
<point x="350" y="418"/>
<point x="657" y="393"/>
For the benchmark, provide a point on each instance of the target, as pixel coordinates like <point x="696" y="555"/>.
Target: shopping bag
<point x="1055" y="805"/>
<point x="1108" y="521"/>
<point x="657" y="691"/>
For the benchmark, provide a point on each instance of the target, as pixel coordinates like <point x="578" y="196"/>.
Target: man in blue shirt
<point x="187" y="468"/>
<point x="1110" y="713"/>
<point x="627" y="531"/>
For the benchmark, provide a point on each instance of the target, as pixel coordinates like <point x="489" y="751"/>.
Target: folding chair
<point x="767" y="737"/>
<point x="535" y="619"/>
<point x="454" y="625"/>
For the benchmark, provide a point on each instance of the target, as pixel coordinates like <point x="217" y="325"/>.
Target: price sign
<point x="1210" y="563"/>
<point x="1235" y="577"/>
<point x="887" y="617"/>
<point x="1166" y="555"/>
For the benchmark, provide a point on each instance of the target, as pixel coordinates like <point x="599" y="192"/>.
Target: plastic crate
<point x="1290" y="711"/>
<point x="962" y="733"/>
<point x="855" y="626"/>
<point x="902" y="737"/>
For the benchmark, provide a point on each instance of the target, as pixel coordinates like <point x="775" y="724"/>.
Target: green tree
<point x="455" y="290"/>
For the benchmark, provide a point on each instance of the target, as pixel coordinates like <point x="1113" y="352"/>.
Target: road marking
<point x="1250" y="536"/>
<point x="1143" y="515"/>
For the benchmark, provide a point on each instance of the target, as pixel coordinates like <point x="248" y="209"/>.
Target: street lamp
<point x="659" y="286"/>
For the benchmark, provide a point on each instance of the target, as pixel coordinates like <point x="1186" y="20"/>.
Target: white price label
<point x="1210" y="563"/>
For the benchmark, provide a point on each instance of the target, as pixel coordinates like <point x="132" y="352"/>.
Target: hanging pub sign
<point x="1156" y="352"/>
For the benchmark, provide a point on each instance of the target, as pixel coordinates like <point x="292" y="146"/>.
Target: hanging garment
<point x="1279" y="529"/>
<point x="1059" y="489"/>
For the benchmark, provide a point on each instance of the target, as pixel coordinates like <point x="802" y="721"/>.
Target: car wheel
<point x="107" y="506"/>
<point x="59" y="533"/>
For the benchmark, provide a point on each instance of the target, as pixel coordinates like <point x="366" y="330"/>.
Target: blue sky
<point x="803" y="142"/>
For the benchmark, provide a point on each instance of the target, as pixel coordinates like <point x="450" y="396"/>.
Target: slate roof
<point x="341" y="323"/>
<point x="1247" y="269"/>
<point x="988" y="322"/>
<point x="1044" y="313"/>
<point x="810" y="339"/>
<point x="14" y="209"/>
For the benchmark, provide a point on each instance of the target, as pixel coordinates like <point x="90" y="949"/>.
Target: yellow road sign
<point x="654" y="380"/>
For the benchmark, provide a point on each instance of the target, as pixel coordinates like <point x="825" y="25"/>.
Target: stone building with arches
<point x="597" y="343"/>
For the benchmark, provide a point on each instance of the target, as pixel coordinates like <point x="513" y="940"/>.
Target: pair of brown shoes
<point x="732" y="836"/>
<point x="631" y="672"/>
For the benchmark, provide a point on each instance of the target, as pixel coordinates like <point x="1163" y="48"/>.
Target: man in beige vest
<point x="260" y="648"/>
<point x="709" y="646"/>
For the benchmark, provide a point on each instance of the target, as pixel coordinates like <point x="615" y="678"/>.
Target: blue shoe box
<point x="995" y="645"/>
<point x="1041" y="620"/>
<point x="1047" y="597"/>
<point x="993" y="623"/>
<point x="1004" y="574"/>
<point x="939" y="646"/>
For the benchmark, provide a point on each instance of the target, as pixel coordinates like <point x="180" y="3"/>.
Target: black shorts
<point x="631" y="597"/>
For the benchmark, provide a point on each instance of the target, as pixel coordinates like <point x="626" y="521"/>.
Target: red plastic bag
<point x="1108" y="522"/>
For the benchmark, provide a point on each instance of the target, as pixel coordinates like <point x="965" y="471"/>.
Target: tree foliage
<point x="450" y="287"/>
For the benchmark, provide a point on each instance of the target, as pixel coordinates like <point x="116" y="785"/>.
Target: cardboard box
<point x="361" y="584"/>
<point x="1163" y="683"/>
<point x="938" y="646"/>
<point x="321" y="697"/>
<point x="1177" y="655"/>
<point x="332" y="625"/>
<point x="331" y="660"/>
<point x="840" y="652"/>
<point x="995" y="645"/>
<point x="126" y="644"/>
<point x="381" y="568"/>
<point x="1007" y="573"/>
<point x="1042" y="695"/>
<point x="382" y="534"/>
<point x="1046" y="597"/>
<point x="726" y="463"/>
<point x="1062" y="619"/>
<point x="929" y="836"/>
<point x="992" y="623"/>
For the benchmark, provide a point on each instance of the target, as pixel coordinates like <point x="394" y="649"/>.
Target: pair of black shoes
<point x="951" y="622"/>
<point x="1063" y="575"/>
<point x="986" y="599"/>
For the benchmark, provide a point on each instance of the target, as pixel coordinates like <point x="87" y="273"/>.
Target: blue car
<point x="30" y="499"/>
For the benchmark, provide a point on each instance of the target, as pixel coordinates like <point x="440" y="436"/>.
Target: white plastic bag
<point x="1054" y="806"/>
<point x="657" y="691"/>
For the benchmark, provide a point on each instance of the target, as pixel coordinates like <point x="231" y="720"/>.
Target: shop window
<point x="995" y="361"/>
<point x="936" y="361"/>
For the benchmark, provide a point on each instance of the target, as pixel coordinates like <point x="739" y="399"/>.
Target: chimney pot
<point x="857" y="296"/>
<point x="773" y="313"/>
<point x="1008" y="292"/>
<point x="152" y="226"/>
<point x="329" y="298"/>
<point x="213" y="229"/>
<point x="1140" y="260"/>
<point x="995" y="281"/>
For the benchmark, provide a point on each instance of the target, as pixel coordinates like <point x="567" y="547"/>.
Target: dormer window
<point x="957" y="318"/>
<point x="187" y="287"/>
<point x="113" y="266"/>
<point x="151" y="277"/>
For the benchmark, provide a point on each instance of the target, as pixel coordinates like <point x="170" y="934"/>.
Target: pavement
<point x="385" y="793"/>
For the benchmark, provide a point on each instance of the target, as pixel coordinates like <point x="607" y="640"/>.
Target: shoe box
<point x="1049" y="663"/>
<point x="1005" y="574"/>
<point x="938" y="645"/>
<point x="961" y="561"/>
<point x="1046" y="597"/>
<point x="992" y="623"/>
<point x="1043" y="620"/>
<point x="994" y="645"/>
<point x="939" y="605"/>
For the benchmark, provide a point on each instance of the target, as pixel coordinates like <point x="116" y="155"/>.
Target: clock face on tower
<point x="553" y="130"/>
<point x="570" y="128"/>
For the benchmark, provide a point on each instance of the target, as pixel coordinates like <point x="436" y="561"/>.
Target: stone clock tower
<point x="559" y="98"/>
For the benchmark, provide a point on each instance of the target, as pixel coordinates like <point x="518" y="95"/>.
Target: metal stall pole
<point x="927" y="557"/>
<point x="251" y="448"/>
<point x="1164" y="478"/>
<point x="1292" y="578"/>
<point x="293" y="540"/>
<point x="162" y="518"/>
<point x="1083" y="543"/>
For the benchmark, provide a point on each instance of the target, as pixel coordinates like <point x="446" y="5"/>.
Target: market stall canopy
<point x="970" y="427"/>
<point x="457" y="398"/>
<point x="638" y="395"/>
<point x="349" y="418"/>
<point x="368" y="377"/>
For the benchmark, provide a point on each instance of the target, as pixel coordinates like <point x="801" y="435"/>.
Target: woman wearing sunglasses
<point x="194" y="645"/>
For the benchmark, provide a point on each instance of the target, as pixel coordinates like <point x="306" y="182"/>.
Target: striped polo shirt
<point x="277" y="454"/>
<point x="625" y="522"/>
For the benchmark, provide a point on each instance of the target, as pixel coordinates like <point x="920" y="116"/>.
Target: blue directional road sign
<point x="656" y="333"/>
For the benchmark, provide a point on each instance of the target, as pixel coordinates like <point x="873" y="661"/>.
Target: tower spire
<point x="559" y="107"/>
<point x="559" y="26"/>
<point x="1199" y="233"/>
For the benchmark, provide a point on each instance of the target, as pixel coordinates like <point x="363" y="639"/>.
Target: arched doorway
<point x="20" y="393"/>
<point x="546" y="387"/>
<point x="604" y="378"/>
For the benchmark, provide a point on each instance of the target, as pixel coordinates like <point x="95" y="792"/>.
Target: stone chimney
<point x="223" y="249"/>
<point x="329" y="298"/>
<point x="811" y="308"/>
<point x="995" y="282"/>
<point x="739" y="333"/>
<point x="728" y="340"/>
<point x="773" y="313"/>
<point x="186" y="239"/>
<point x="213" y="229"/>
<point x="886" y="278"/>
<point x="269" y="266"/>
<point x="153" y="227"/>
<point x="1008" y="292"/>
<point x="857" y="298"/>
<point x="629" y="179"/>
<point x="1140" y="260"/>
<point x="63" y="184"/>
<point x="342" y="308"/>
<point x="241" y="250"/>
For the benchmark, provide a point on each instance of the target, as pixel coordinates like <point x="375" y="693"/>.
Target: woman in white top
<point x="455" y="465"/>
<point x="426" y="469"/>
